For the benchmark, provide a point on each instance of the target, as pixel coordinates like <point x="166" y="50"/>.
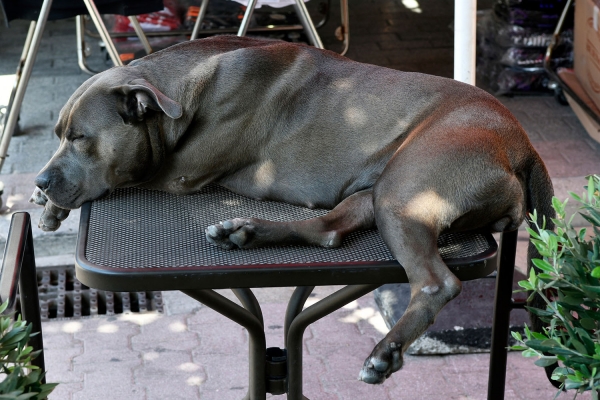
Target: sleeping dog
<point x="410" y="154"/>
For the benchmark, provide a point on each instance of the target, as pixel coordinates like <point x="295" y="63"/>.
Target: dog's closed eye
<point x="73" y="136"/>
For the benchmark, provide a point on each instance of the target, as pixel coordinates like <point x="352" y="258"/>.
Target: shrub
<point x="21" y="379"/>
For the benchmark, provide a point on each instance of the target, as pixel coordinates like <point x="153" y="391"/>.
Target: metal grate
<point x="137" y="228"/>
<point x="63" y="296"/>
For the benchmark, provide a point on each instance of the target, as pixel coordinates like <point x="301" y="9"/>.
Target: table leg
<point x="294" y="308"/>
<point x="501" y="322"/>
<point x="301" y="321"/>
<point x="248" y="319"/>
<point x="248" y="300"/>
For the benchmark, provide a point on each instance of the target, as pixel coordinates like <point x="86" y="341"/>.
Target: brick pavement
<point x="191" y="352"/>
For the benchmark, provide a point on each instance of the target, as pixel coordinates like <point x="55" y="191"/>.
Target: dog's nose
<point x="43" y="181"/>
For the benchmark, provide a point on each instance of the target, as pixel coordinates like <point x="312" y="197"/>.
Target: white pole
<point x="465" y="20"/>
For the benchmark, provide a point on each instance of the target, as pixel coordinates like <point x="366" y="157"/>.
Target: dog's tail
<point x="539" y="198"/>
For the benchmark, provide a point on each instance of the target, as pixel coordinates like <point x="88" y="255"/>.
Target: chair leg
<point x="199" y="20"/>
<point x="502" y="308"/>
<point x="28" y="291"/>
<point x="308" y="25"/>
<point x="345" y="27"/>
<point x="18" y="271"/>
<point x="97" y="18"/>
<point x="246" y="20"/>
<point x="140" y="33"/>
<point x="23" y="80"/>
<point x="81" y="57"/>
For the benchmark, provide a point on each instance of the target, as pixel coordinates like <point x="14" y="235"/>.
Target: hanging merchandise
<point x="511" y="44"/>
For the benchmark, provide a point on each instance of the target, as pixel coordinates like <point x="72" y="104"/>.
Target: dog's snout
<point x="43" y="180"/>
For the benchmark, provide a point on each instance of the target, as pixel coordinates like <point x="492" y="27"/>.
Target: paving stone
<point x="225" y="371"/>
<point x="218" y="335"/>
<point x="168" y="334"/>
<point x="170" y="375"/>
<point x="106" y="380"/>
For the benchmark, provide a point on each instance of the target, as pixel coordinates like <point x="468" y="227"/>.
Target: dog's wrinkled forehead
<point x="93" y="104"/>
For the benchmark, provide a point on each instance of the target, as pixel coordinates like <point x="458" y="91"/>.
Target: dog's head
<point x="111" y="135"/>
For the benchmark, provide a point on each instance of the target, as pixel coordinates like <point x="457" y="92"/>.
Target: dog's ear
<point x="141" y="96"/>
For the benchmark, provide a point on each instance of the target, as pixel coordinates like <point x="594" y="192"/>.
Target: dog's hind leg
<point x="352" y="214"/>
<point x="414" y="244"/>
<point x="426" y="190"/>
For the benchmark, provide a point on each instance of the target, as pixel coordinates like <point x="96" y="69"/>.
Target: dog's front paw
<point x="38" y="197"/>
<point x="231" y="234"/>
<point x="383" y="361"/>
<point x="52" y="216"/>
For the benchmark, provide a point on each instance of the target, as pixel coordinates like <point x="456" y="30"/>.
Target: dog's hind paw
<point x="230" y="234"/>
<point x="383" y="361"/>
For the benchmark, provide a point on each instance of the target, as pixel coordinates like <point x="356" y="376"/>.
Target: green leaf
<point x="542" y="264"/>
<point x="573" y="300"/>
<point x="540" y="336"/>
<point x="578" y="346"/>
<point x="569" y="384"/>
<point x="596" y="272"/>
<point x="517" y="348"/>
<point x="550" y="343"/>
<point x="575" y="196"/>
<point x="540" y="313"/>
<point x="526" y="285"/>
<point x="594" y="289"/>
<point x="533" y="278"/>
<point x="530" y="353"/>
<point x="546" y="361"/>
<point x="588" y="323"/>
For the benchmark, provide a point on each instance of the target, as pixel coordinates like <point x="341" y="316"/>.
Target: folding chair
<point x="343" y="32"/>
<point x="18" y="276"/>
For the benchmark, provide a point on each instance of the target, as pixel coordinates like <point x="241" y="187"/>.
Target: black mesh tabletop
<point x="155" y="241"/>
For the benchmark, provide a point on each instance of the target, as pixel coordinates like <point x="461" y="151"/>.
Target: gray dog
<point x="411" y="154"/>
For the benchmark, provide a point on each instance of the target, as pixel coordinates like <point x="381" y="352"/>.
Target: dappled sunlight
<point x="15" y="199"/>
<point x="310" y="301"/>
<point x="140" y="319"/>
<point x="232" y="203"/>
<point x="72" y="327"/>
<point x="7" y="83"/>
<point x="412" y="5"/>
<point x="344" y="84"/>
<point x="188" y="367"/>
<point x="108" y="328"/>
<point x="355" y="117"/>
<point x="353" y="305"/>
<point x="369" y="314"/>
<point x="177" y="327"/>
<point x="425" y="204"/>
<point x="151" y="356"/>
<point x="195" y="380"/>
<point x="265" y="175"/>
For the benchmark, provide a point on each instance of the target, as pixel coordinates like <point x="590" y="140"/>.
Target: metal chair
<point x="18" y="274"/>
<point x="343" y="31"/>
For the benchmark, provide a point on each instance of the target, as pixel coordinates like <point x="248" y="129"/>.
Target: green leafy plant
<point x="20" y="379"/>
<point x="567" y="278"/>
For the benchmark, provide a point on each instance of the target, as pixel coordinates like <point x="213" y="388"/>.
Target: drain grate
<point x="63" y="296"/>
